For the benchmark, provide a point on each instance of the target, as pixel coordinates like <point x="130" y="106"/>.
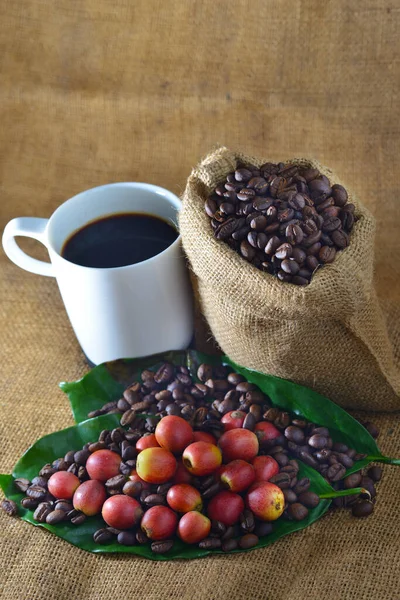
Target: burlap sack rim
<point x="338" y="273"/>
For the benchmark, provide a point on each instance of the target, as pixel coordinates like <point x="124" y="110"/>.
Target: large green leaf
<point x="106" y="382"/>
<point x="55" y="445"/>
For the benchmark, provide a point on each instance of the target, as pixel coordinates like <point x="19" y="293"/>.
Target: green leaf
<point x="57" y="444"/>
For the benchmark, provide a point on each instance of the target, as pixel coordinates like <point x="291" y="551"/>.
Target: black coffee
<point x="119" y="240"/>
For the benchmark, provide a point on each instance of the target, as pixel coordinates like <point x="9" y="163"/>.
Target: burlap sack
<point x="330" y="335"/>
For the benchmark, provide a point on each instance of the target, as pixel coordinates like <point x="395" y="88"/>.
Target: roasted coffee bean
<point x="252" y="238"/>
<point x="218" y="528"/>
<point x="297" y="511"/>
<point x="290" y="266"/>
<point x="284" y="276"/>
<point x="55" y="516"/>
<point x="243" y="174"/>
<point x="249" y="540"/>
<point x="102" y="536"/>
<point x="284" y="251"/>
<point x="322" y="455"/>
<point x="47" y="471"/>
<point x="282" y="480"/>
<point x="204" y="372"/>
<point x="141" y="537"/>
<point x="155" y="500"/>
<point x="210" y="206"/>
<point x="340" y="238"/>
<point x="294" y="434"/>
<point x="261" y="203"/>
<point x="227" y="208"/>
<point x="210" y="543"/>
<point x="297" y="202"/>
<point x="229" y="533"/>
<point x="43" y="509"/>
<point x="302" y="485"/>
<point x="294" y="234"/>
<point x="272" y="245"/>
<point x="297" y="280"/>
<point x="371" y="428"/>
<point x="309" y="499"/>
<point x="339" y="195"/>
<point x="314" y="249"/>
<point x="235" y="378"/>
<point x="327" y="254"/>
<point x="162" y="547"/>
<point x="9" y="507"/>
<point x="211" y="491"/>
<point x="368" y="484"/>
<point x="339" y="447"/>
<point x="22" y="484"/>
<point x="256" y="411"/>
<point x="116" y="482"/>
<point x="353" y="480"/>
<point x="263" y="528"/>
<point x="271" y="414"/>
<point x="347" y="219"/>
<point x="318" y="441"/>
<point x="36" y="492"/>
<point x="132" y="488"/>
<point x="258" y="223"/>
<point x="362" y="508"/>
<point x="330" y="224"/>
<point x="308" y="459"/>
<point x="246" y="194"/>
<point x="64" y="505"/>
<point x="29" y="503"/>
<point x="336" y="472"/>
<point x="229" y="545"/>
<point x="78" y="519"/>
<point x="247" y="522"/>
<point x="249" y="422"/>
<point x="126" y="538"/>
<point x="290" y="496"/>
<point x="375" y="473"/>
<point x="345" y="460"/>
<point x="282" y="459"/>
<point x="282" y="420"/>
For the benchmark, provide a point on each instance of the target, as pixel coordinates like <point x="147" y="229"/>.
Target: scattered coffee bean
<point x="78" y="519"/>
<point x="229" y="545"/>
<point x="22" y="484"/>
<point x="9" y="507"/>
<point x="102" y="536"/>
<point x="249" y="540"/>
<point x="309" y="499"/>
<point x="375" y="473"/>
<point x="362" y="508"/>
<point x="210" y="543"/>
<point x="297" y="511"/>
<point x="126" y="538"/>
<point x="55" y="516"/>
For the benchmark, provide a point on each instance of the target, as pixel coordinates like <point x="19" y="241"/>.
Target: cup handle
<point x="28" y="227"/>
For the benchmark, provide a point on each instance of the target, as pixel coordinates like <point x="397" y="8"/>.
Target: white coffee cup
<point x="120" y="312"/>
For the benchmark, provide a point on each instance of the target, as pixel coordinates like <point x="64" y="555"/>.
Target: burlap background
<point x="93" y="91"/>
<point x="330" y="335"/>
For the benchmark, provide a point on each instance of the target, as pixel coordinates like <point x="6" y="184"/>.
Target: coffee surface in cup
<point x="119" y="240"/>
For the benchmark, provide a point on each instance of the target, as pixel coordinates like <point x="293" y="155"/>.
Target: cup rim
<point x="122" y="184"/>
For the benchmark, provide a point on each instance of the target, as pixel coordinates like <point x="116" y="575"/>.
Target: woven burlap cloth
<point x="93" y="91"/>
